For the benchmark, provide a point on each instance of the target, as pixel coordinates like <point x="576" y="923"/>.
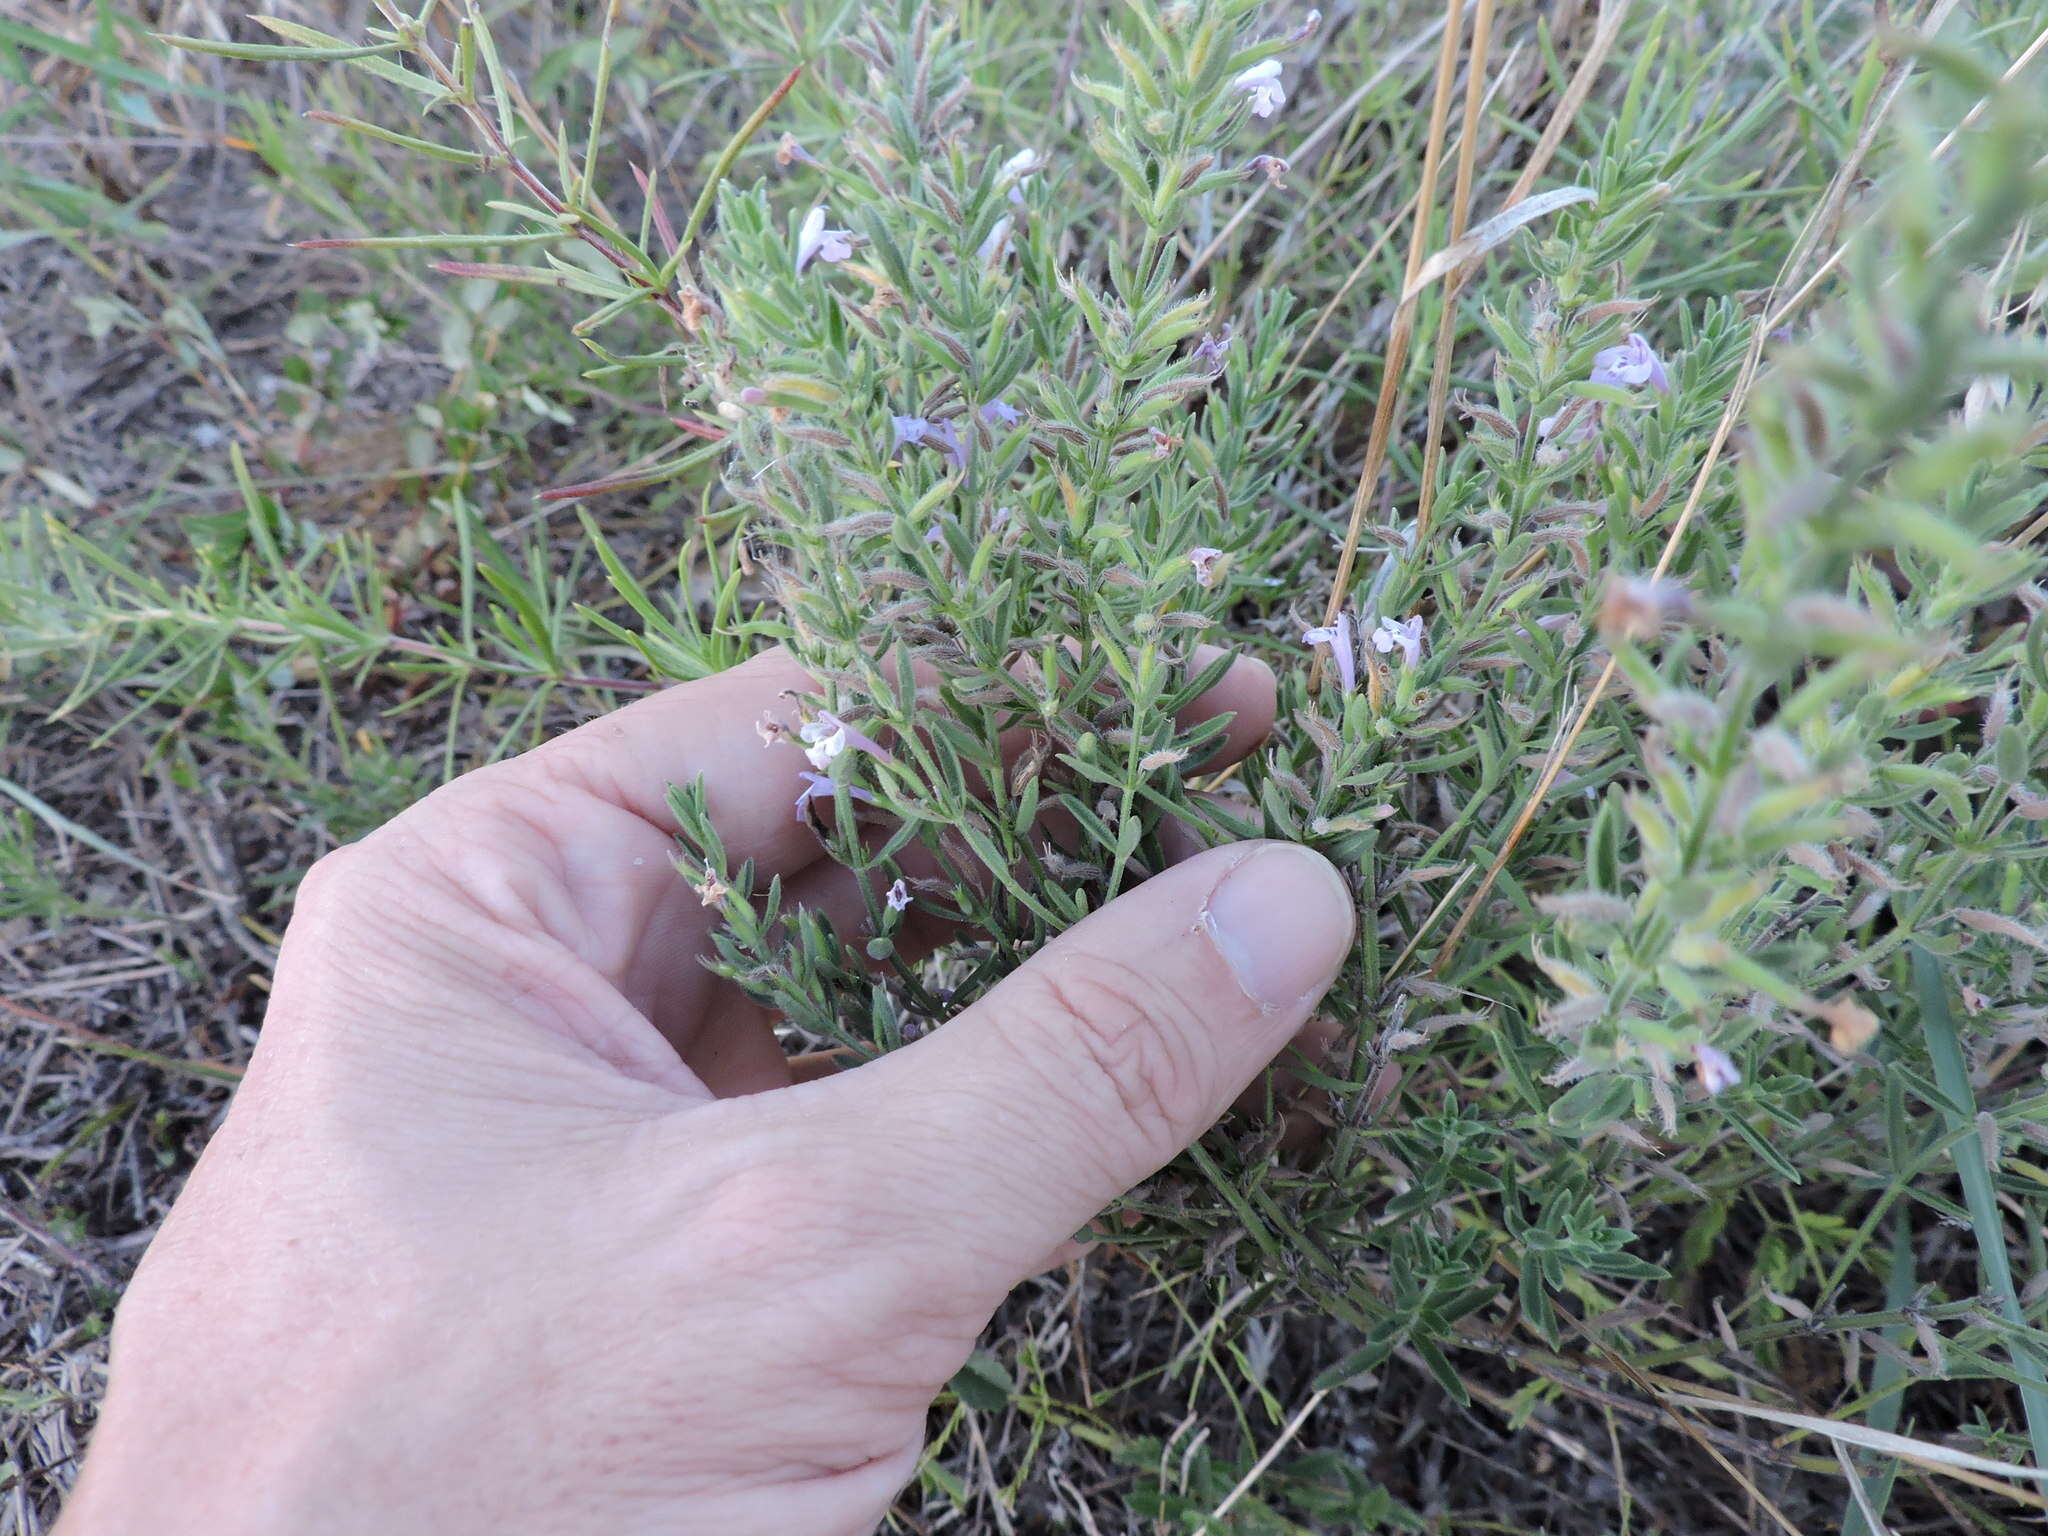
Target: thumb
<point x="1113" y="1049"/>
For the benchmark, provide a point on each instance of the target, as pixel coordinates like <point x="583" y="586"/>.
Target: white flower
<point x="997" y="242"/>
<point x="1262" y="83"/>
<point x="823" y="743"/>
<point x="1204" y="559"/>
<point x="1718" y="1073"/>
<point x="898" y="896"/>
<point x="827" y="736"/>
<point x="1402" y="634"/>
<point x="1016" y="172"/>
<point x="815" y="240"/>
<point x="1337" y="637"/>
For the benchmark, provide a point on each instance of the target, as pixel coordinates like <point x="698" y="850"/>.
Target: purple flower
<point x="898" y="896"/>
<point x="827" y="736"/>
<point x="788" y="152"/>
<point x="1402" y="634"/>
<point x="1211" y="348"/>
<point x="942" y="436"/>
<point x="1307" y="29"/>
<point x="819" y="787"/>
<point x="1717" y="1072"/>
<point x="1337" y="637"/>
<point x="1262" y="83"/>
<point x="1272" y="167"/>
<point x="997" y="242"/>
<point x="1001" y="412"/>
<point x="753" y="395"/>
<point x="1631" y="365"/>
<point x="814" y="240"/>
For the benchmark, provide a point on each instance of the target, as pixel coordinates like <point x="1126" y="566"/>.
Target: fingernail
<point x="1282" y="920"/>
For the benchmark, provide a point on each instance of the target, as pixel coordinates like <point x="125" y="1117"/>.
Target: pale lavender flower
<point x="1343" y="648"/>
<point x="1001" y="413"/>
<point x="1211" y="348"/>
<point x="912" y="430"/>
<point x="815" y="241"/>
<point x="1204" y="559"/>
<point x="827" y="736"/>
<point x="1631" y="365"/>
<point x="1262" y="83"/>
<point x="1272" y="167"/>
<point x="898" y="896"/>
<point x="1404" y="635"/>
<point x="788" y="152"/>
<point x="943" y="436"/>
<point x="997" y="242"/>
<point x="1307" y="29"/>
<point x="818" y="787"/>
<point x="753" y="395"/>
<point x="1016" y="173"/>
<point x="1717" y="1072"/>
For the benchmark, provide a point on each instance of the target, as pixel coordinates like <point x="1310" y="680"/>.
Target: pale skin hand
<point x="519" y="1224"/>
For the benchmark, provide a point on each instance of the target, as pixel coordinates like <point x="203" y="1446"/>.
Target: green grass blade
<point x="1937" y="1026"/>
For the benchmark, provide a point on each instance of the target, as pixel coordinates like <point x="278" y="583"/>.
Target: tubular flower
<point x="818" y="787"/>
<point x="1016" y="174"/>
<point x="1404" y="635"/>
<point x="1262" y="83"/>
<point x="827" y="736"/>
<point x="1343" y="648"/>
<point x="1213" y="346"/>
<point x="1631" y="365"/>
<point x="814" y="240"/>
<point x="942" y="435"/>
<point x="1717" y="1071"/>
<point x="1204" y="559"/>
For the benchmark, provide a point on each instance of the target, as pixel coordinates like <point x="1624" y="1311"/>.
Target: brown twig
<point x="1447" y="320"/>
<point x="1396" y="361"/>
<point x="93" y="1040"/>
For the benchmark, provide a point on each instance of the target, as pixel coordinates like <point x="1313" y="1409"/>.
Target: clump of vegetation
<point x="1673" y="695"/>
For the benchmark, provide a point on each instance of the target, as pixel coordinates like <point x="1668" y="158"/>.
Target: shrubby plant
<point x="1687" y="765"/>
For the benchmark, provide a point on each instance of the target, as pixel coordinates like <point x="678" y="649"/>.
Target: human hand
<point x="519" y="1224"/>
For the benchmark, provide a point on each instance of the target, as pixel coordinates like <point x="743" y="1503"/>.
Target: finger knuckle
<point x="1129" y="1037"/>
<point x="329" y="879"/>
